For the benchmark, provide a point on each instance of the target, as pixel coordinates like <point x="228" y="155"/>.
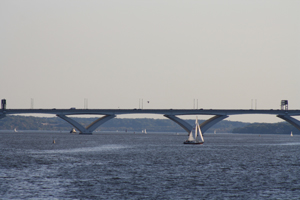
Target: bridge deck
<point x="150" y="111"/>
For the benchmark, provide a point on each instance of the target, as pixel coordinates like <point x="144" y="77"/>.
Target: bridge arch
<point x="91" y="127"/>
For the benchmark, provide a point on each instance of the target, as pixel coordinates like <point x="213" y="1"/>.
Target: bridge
<point x="172" y="114"/>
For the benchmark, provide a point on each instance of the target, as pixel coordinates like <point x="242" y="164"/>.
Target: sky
<point x="223" y="54"/>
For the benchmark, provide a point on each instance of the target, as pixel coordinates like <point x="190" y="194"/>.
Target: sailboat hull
<point x="192" y="142"/>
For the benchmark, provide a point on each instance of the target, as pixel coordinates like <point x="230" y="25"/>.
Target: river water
<point x="148" y="166"/>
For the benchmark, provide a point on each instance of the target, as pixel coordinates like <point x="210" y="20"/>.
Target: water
<point x="152" y="166"/>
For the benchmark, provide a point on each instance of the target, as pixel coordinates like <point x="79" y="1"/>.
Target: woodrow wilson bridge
<point x="172" y="114"/>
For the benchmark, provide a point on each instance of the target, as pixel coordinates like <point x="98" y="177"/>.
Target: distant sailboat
<point x="291" y="133"/>
<point x="191" y="139"/>
<point x="15" y="130"/>
<point x="145" y="131"/>
<point x="73" y="130"/>
<point x="215" y="132"/>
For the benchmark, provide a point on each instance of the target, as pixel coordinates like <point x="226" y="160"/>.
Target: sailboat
<point x="144" y="131"/>
<point x="73" y="130"/>
<point x="291" y="133"/>
<point x="191" y="139"/>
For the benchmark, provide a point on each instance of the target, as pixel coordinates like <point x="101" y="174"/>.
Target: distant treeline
<point x="116" y="124"/>
<point x="137" y="125"/>
<point x="267" y="128"/>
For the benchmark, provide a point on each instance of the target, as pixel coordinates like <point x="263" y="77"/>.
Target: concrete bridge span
<point x="172" y="114"/>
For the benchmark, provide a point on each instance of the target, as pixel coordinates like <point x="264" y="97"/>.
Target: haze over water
<point x="148" y="166"/>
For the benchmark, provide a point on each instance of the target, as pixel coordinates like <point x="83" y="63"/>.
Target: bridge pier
<point x="290" y="120"/>
<point x="212" y="121"/>
<point x="186" y="126"/>
<point x="90" y="128"/>
<point x="204" y="126"/>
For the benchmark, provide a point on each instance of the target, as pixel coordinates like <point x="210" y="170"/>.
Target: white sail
<point x="291" y="133"/>
<point x="191" y="138"/>
<point x="197" y="129"/>
<point x="200" y="133"/>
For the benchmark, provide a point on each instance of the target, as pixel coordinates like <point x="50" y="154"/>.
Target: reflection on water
<point x="82" y="150"/>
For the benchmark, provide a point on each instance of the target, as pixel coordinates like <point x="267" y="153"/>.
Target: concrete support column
<point x="75" y="124"/>
<point x="212" y="121"/>
<point x="290" y="120"/>
<point x="186" y="126"/>
<point x="90" y="128"/>
<point x="93" y="126"/>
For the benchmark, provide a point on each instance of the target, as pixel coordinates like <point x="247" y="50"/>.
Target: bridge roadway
<point x="219" y="114"/>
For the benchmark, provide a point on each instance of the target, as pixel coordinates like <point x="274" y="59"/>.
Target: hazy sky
<point x="168" y="52"/>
